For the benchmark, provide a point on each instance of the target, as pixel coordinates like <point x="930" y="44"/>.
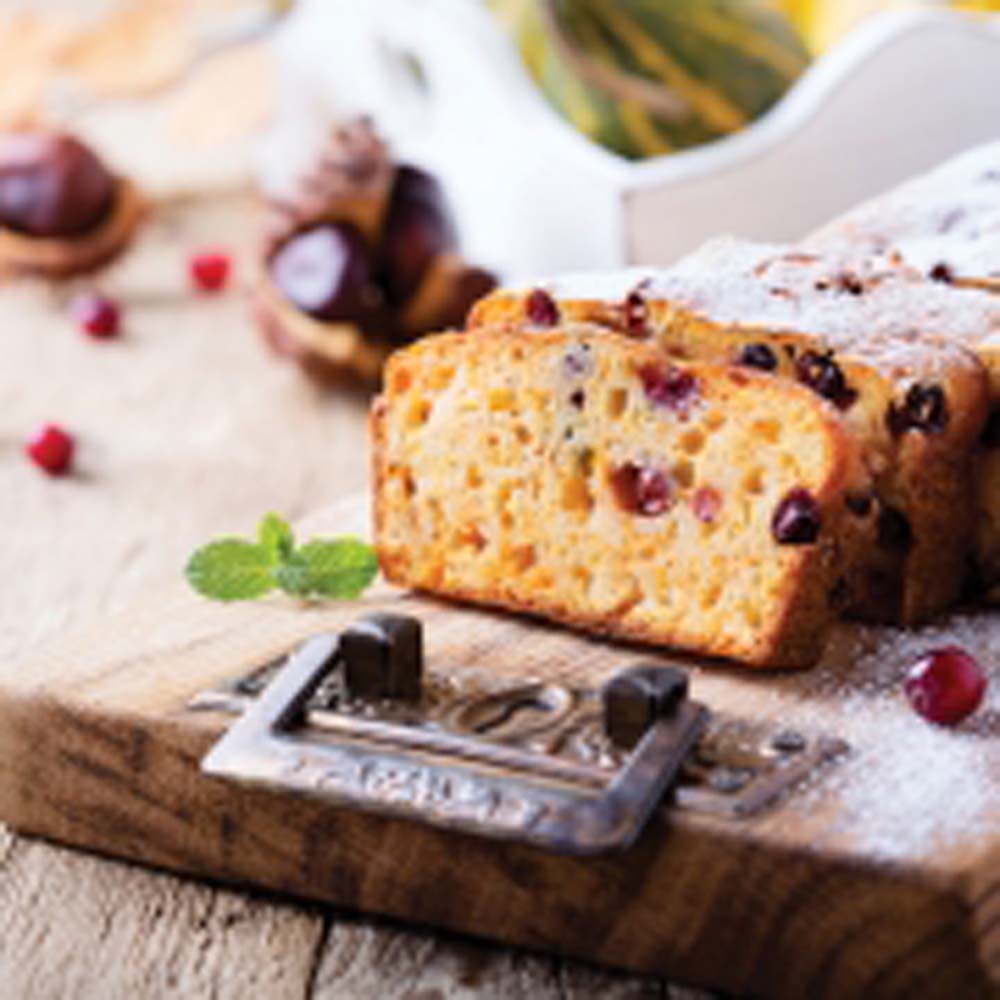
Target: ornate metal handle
<point x="391" y="748"/>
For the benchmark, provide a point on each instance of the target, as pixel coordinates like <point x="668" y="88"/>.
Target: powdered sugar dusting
<point x="908" y="790"/>
<point x="950" y="216"/>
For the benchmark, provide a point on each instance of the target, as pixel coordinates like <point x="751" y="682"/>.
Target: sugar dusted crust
<point x="495" y="482"/>
<point x="63" y="257"/>
<point x="945" y="222"/>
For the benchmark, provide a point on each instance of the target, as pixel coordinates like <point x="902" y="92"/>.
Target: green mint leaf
<point x="338" y="567"/>
<point x="293" y="576"/>
<point x="231" y="569"/>
<point x="276" y="536"/>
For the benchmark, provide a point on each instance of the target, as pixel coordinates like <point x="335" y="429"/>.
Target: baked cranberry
<point x="417" y="229"/>
<point x="635" y="313"/>
<point x="640" y="489"/>
<point x="797" y="518"/>
<point x="758" y="356"/>
<point x="670" y="387"/>
<point x="577" y="398"/>
<point x="824" y="376"/>
<point x="51" y="449"/>
<point x="51" y="184"/>
<point x="945" y="685"/>
<point x="941" y="272"/>
<point x="924" y="408"/>
<point x="97" y="315"/>
<point x="540" y="308"/>
<point x="209" y="270"/>
<point x="893" y="528"/>
<point x="324" y="271"/>
<point x="706" y="503"/>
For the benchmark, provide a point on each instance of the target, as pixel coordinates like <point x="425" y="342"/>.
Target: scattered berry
<point x="51" y="449"/>
<point x="945" y="685"/>
<point x="97" y="315"/>
<point x="797" y="519"/>
<point x="209" y="270"/>
<point x="540" y="308"/>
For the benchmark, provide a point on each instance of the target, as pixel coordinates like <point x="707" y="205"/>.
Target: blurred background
<point x="527" y="110"/>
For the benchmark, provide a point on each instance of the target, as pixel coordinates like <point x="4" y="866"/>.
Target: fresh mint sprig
<point x="238" y="569"/>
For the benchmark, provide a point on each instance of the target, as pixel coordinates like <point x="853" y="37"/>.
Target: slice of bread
<point x="875" y="341"/>
<point x="579" y="475"/>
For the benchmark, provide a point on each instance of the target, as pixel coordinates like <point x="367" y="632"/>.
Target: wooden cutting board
<point x="879" y="876"/>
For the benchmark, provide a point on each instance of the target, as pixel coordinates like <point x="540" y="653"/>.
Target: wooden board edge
<point x="736" y="918"/>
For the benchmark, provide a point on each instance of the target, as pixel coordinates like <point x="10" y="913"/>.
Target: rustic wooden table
<point x="186" y="429"/>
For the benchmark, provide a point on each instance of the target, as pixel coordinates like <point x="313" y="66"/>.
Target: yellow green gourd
<point x="647" y="77"/>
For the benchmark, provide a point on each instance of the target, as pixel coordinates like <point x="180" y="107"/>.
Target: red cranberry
<point x="51" y="184"/>
<point x="945" y="685"/>
<point x="51" y="449"/>
<point x="96" y="315"/>
<point x="417" y="229"/>
<point x="758" y="356"/>
<point x="209" y="270"/>
<point x="636" y="312"/>
<point x="824" y="376"/>
<point x="669" y="387"/>
<point x="324" y="271"/>
<point x="642" y="490"/>
<point x="706" y="503"/>
<point x="797" y="518"/>
<point x="540" y="308"/>
<point x="851" y="283"/>
<point x="924" y="408"/>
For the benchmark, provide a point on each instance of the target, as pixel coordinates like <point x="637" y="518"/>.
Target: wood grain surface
<point x="186" y="429"/>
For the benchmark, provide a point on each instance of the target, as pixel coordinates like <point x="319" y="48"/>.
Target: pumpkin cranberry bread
<point x="577" y="474"/>
<point x="946" y="225"/>
<point x="868" y="338"/>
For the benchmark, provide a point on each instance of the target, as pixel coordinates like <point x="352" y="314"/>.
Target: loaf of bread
<point x="866" y="335"/>
<point x="946" y="225"/>
<point x="578" y="474"/>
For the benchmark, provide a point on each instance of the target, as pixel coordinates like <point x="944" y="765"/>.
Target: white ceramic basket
<point x="533" y="196"/>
